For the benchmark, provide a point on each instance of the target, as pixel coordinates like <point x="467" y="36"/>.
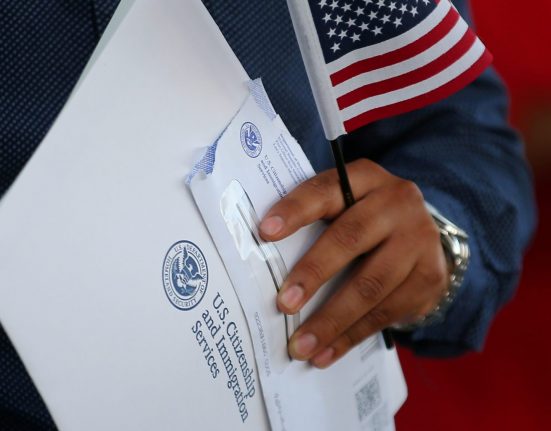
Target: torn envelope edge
<point x="206" y="163"/>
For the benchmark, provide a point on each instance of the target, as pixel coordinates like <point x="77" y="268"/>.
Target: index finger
<point x="318" y="198"/>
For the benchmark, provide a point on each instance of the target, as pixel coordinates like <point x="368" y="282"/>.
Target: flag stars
<point x="350" y="22"/>
<point x="336" y="46"/>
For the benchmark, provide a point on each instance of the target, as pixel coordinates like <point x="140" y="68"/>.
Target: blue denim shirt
<point x="461" y="152"/>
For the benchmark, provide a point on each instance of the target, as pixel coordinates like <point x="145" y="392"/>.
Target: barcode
<point x="368" y="398"/>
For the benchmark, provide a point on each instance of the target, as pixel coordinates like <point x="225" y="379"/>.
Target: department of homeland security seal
<point x="251" y="140"/>
<point x="185" y="275"/>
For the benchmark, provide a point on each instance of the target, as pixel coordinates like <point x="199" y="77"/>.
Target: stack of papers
<point x="252" y="165"/>
<point x="112" y="289"/>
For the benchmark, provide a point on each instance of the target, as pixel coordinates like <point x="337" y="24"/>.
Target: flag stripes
<point x="420" y="95"/>
<point x="382" y="58"/>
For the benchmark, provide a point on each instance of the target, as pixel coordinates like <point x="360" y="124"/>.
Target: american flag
<point x="372" y="59"/>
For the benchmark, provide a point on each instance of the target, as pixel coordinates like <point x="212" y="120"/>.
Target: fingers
<point x="318" y="198"/>
<point x="415" y="298"/>
<point x="358" y="230"/>
<point x="372" y="282"/>
<point x="402" y="276"/>
<point x="374" y="321"/>
<point x="391" y="210"/>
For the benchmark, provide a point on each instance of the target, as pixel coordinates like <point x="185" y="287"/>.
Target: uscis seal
<point x="251" y="140"/>
<point x="185" y="275"/>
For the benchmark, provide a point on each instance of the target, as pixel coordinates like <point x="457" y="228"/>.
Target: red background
<point x="508" y="387"/>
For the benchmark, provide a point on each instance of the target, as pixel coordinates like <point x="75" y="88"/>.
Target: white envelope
<point x="86" y="229"/>
<point x="254" y="163"/>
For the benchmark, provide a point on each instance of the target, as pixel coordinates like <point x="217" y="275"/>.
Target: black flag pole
<point x="346" y="189"/>
<point x="336" y="147"/>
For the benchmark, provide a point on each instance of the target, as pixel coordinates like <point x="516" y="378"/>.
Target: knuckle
<point x="288" y="205"/>
<point x="436" y="276"/>
<point x="320" y="185"/>
<point x="410" y="192"/>
<point x="365" y="164"/>
<point x="347" y="234"/>
<point x="347" y="341"/>
<point x="378" y="318"/>
<point x="329" y="326"/>
<point x="313" y="270"/>
<point x="374" y="168"/>
<point x="369" y="287"/>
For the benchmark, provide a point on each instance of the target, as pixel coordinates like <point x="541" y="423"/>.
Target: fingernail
<point x="272" y="225"/>
<point x="304" y="345"/>
<point x="323" y="359"/>
<point x="291" y="296"/>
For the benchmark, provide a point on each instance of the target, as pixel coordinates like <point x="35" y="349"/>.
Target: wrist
<point x="456" y="250"/>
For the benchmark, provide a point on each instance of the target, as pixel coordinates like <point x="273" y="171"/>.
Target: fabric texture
<point x="467" y="161"/>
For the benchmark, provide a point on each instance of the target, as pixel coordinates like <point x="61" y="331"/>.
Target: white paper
<point x="85" y="229"/>
<point x="253" y="164"/>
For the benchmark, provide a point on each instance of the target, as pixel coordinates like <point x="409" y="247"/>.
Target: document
<point x="89" y="226"/>
<point x="254" y="163"/>
<point x="111" y="288"/>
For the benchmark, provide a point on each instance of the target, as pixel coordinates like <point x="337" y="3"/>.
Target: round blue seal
<point x="185" y="275"/>
<point x="251" y="140"/>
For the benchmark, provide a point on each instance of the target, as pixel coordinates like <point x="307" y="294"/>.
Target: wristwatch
<point x="456" y="249"/>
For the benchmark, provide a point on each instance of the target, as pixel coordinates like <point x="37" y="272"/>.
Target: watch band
<point x="456" y="248"/>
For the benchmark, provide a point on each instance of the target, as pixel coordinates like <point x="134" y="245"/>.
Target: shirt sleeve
<point x="470" y="165"/>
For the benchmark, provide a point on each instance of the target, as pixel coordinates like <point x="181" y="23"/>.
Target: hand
<point x="401" y="278"/>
